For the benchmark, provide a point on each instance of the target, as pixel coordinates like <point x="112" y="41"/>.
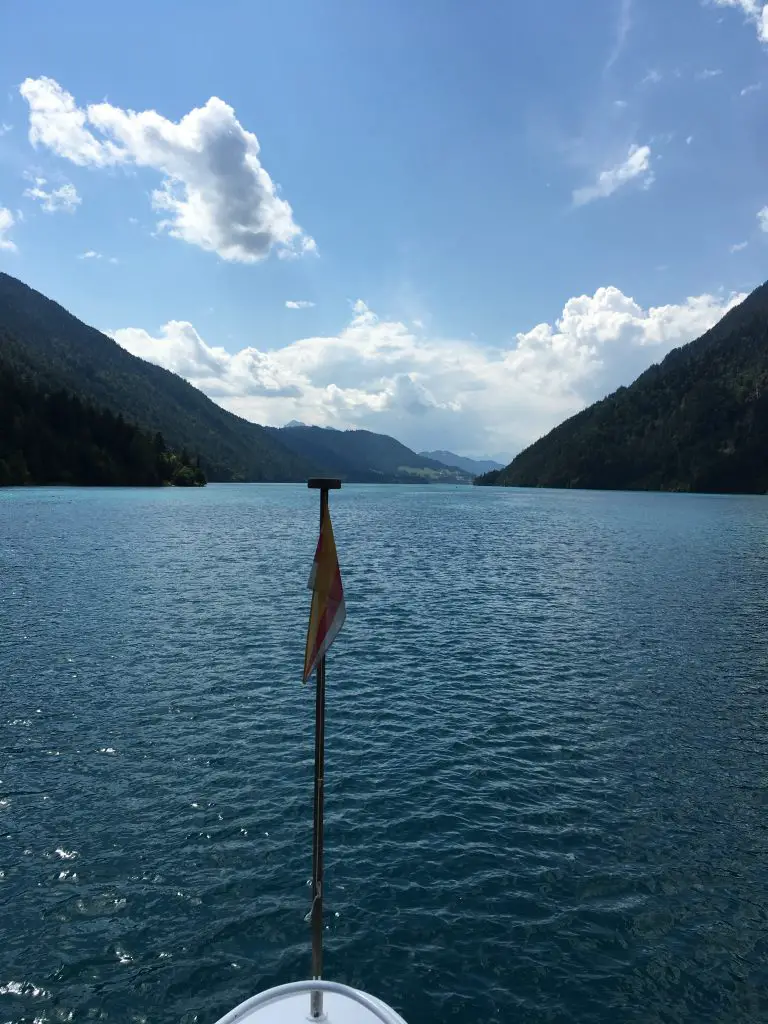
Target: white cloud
<point x="622" y="33"/>
<point x="298" y="304"/>
<point x="636" y="166"/>
<point x="92" y="254"/>
<point x="708" y="73"/>
<point x="747" y="90"/>
<point x="6" y="223"/>
<point x="55" y="121"/>
<point x="652" y="78"/>
<point x="63" y="198"/>
<point x="247" y="373"/>
<point x="215" y="193"/>
<point x="762" y="218"/>
<point x="5" y="128"/>
<point x="689" y="140"/>
<point x="755" y="11"/>
<point x="433" y="392"/>
<point x="663" y="139"/>
<point x="738" y="247"/>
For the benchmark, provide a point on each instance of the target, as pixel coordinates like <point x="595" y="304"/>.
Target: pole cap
<point x="322" y="483"/>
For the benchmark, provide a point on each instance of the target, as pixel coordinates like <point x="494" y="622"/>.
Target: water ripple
<point x="545" y="768"/>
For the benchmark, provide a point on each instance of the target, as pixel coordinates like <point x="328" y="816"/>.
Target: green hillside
<point x="54" y="351"/>
<point x="361" y="456"/>
<point x="472" y="466"/>
<point x="698" y="421"/>
<point x="53" y="348"/>
<point x="55" y="438"/>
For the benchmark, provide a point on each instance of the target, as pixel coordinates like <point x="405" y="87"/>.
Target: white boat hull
<point x="290" y="1004"/>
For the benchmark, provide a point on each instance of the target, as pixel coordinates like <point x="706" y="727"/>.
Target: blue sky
<point x="498" y="211"/>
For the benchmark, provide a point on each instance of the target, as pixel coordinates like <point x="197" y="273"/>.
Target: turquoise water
<point x="546" y="768"/>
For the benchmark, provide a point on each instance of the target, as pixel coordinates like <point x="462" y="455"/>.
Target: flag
<point x="327" y="614"/>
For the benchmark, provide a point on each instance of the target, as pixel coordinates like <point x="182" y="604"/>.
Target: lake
<point x="546" y="753"/>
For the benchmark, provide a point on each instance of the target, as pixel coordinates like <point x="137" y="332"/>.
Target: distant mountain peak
<point x="474" y="466"/>
<point x="361" y="456"/>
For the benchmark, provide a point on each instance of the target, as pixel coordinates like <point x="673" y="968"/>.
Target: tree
<point x="53" y="437"/>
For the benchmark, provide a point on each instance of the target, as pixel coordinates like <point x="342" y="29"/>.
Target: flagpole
<point x="316" y="1004"/>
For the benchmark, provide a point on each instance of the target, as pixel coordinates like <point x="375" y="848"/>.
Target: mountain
<point x="360" y="456"/>
<point x="472" y="466"/>
<point x="56" y="351"/>
<point x="53" y="351"/>
<point x="698" y="421"/>
<point x="55" y="438"/>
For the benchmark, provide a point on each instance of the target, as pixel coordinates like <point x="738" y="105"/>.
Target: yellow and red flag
<point x="327" y="614"/>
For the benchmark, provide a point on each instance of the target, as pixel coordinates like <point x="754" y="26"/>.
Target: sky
<point x="455" y="223"/>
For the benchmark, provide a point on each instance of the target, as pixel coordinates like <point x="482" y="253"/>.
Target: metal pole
<point x="317" y="845"/>
<point x="316" y="999"/>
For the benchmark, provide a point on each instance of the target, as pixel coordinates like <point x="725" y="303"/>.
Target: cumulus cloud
<point x="756" y="12"/>
<point x="298" y="304"/>
<point x="180" y="348"/>
<point x="762" y="218"/>
<point x="738" y="247"/>
<point x="63" y="198"/>
<point x="636" y="167"/>
<point x="214" y="192"/>
<point x="432" y="392"/>
<point x="6" y="223"/>
<point x="748" y="89"/>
